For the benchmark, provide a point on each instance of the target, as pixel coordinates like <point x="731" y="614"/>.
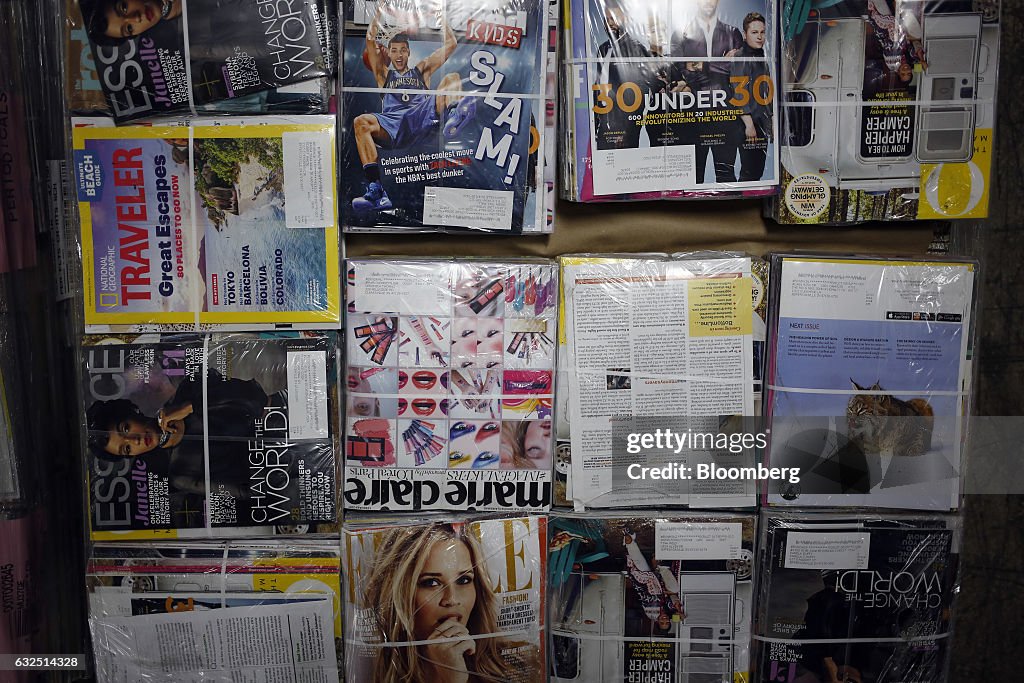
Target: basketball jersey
<point x="412" y="79"/>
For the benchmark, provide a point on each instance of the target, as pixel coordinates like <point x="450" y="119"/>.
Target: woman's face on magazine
<point x="488" y="342"/>
<point x="127" y="18"/>
<point x="133" y="437"/>
<point x="537" y="441"/>
<point x="464" y="343"/>
<point x="445" y="588"/>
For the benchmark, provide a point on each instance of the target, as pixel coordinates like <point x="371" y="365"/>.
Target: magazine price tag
<point x="837" y="550"/>
<point x="307" y="174"/>
<point x="685" y="541"/>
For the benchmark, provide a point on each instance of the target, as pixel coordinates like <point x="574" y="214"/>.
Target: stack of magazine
<point x="434" y="596"/>
<point x="852" y="597"/>
<point x="206" y="435"/>
<point x="211" y="280"/>
<point x="889" y="111"/>
<point x="284" y="600"/>
<point x="654" y="341"/>
<point x="869" y="380"/>
<point x="668" y="100"/>
<point x="227" y="223"/>
<point x="172" y="57"/>
<point x="445" y="120"/>
<point x="450" y="379"/>
<point x="655" y="596"/>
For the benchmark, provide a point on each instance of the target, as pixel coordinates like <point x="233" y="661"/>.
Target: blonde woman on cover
<point x="431" y="584"/>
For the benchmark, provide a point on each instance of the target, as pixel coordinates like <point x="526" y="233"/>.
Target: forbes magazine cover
<point x="443" y="114"/>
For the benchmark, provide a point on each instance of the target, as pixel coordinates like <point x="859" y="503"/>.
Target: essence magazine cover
<point x="863" y="600"/>
<point x="869" y="380"/>
<point x="890" y="110"/>
<point x="199" y="435"/>
<point x="444" y="115"/>
<point x="450" y="377"/>
<point x="673" y="99"/>
<point x="208" y="224"/>
<point x="83" y="90"/>
<point x="651" y="598"/>
<point x="439" y="599"/>
<point x="160" y="57"/>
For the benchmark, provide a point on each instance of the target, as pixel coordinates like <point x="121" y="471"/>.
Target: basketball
<point x="382" y="51"/>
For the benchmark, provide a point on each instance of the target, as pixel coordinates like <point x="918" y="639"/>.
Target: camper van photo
<point x="917" y="85"/>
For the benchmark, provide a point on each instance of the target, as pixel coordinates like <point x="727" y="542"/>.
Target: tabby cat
<point x="884" y="424"/>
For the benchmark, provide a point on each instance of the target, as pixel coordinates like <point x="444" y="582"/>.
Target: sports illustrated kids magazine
<point x="444" y="107"/>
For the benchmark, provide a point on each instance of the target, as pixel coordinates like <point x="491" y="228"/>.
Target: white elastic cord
<point x="707" y="379"/>
<point x="438" y="641"/>
<point x="659" y="60"/>
<point x="188" y="69"/>
<point x="841" y="641"/>
<point x="463" y="93"/>
<point x="646" y="639"/>
<point x="224" y="576"/>
<point x="193" y="208"/>
<point x="946" y="104"/>
<point x="206" y="432"/>
<point x="866" y="392"/>
<point x="450" y="397"/>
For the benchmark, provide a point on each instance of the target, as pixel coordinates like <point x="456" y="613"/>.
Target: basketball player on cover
<point x="405" y="117"/>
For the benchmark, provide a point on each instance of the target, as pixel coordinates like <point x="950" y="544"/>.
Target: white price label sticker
<point x="307" y="395"/>
<point x="689" y="541"/>
<point x="308" y="182"/>
<point x="833" y="550"/>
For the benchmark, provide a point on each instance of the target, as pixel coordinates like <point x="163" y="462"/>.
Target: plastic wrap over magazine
<point x="200" y="435"/>
<point x="19" y="210"/>
<point x="20" y="624"/>
<point x="157" y="58"/>
<point x="549" y="153"/>
<point x="208" y="224"/>
<point x="84" y="92"/>
<point x="261" y="643"/>
<point x="869" y="380"/>
<point x="14" y="491"/>
<point x="441" y="595"/>
<point x="651" y="598"/>
<point x="450" y="377"/>
<point x="131" y="580"/>
<point x="657" y="342"/>
<point x="444" y="116"/>
<point x="856" y="598"/>
<point x="889" y="110"/>
<point x="671" y="100"/>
